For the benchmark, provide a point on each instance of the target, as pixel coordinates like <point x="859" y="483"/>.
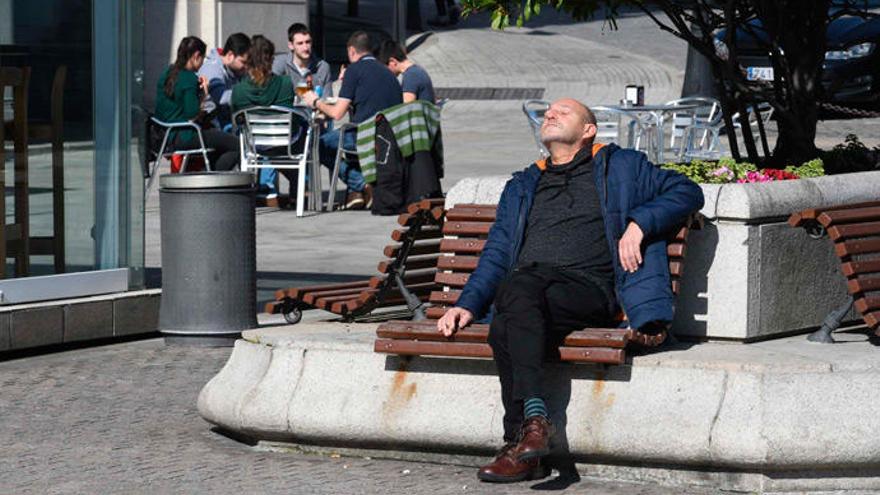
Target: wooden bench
<point x="466" y="229"/>
<point x="406" y="275"/>
<point x="855" y="231"/>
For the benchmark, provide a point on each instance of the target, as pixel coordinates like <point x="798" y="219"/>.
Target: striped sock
<point x="535" y="407"/>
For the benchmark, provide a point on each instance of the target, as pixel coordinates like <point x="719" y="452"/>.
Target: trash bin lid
<point x="206" y="180"/>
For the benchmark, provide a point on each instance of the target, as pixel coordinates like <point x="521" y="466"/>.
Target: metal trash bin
<point x="208" y="235"/>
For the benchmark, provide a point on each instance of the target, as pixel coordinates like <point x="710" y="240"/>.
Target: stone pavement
<point x="122" y="419"/>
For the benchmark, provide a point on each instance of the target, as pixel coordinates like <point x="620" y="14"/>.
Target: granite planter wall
<point x="748" y="275"/>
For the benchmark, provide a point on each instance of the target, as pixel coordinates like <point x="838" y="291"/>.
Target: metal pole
<point x="399" y="27"/>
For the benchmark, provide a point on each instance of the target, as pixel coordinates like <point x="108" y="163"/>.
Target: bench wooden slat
<point x="852" y="268"/>
<point x="299" y="292"/>
<point x="467" y="246"/>
<point x="676" y="268"/>
<point x="850" y="248"/>
<point x="458" y="263"/>
<point x="444" y="297"/>
<point x="867" y="304"/>
<point x="676" y="250"/>
<point x="680" y="236"/>
<point x="834" y="217"/>
<point x="426" y="247"/>
<point x="863" y="284"/>
<point x="392" y="298"/>
<point x="471" y="213"/>
<point x="422" y="348"/>
<point x="424" y="233"/>
<point x="412" y="263"/>
<point x="427" y="330"/>
<point x="410" y="277"/>
<point x="351" y="293"/>
<point x="676" y="286"/>
<point x="602" y="355"/>
<point x="436" y="312"/>
<point x="425" y="204"/>
<point x="455" y="227"/>
<point x="873" y="321"/>
<point x="457" y="280"/>
<point x="799" y="218"/>
<point x="841" y="232"/>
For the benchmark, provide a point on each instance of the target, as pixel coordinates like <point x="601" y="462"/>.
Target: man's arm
<point x="494" y="262"/>
<point x="674" y="197"/>
<point x="335" y="111"/>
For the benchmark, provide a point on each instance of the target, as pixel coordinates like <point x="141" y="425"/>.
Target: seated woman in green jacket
<point x="179" y="94"/>
<point x="262" y="88"/>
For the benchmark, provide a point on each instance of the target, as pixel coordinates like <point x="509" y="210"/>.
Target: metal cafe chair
<point x="341" y="154"/>
<point x="270" y="138"/>
<point x="534" y="110"/>
<point x="166" y="151"/>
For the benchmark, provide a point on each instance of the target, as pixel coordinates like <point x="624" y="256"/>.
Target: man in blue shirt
<point x="415" y="81"/>
<point x="367" y="88"/>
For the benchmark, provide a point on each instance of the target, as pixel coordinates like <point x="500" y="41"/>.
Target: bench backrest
<point x="465" y="231"/>
<point x="855" y="231"/>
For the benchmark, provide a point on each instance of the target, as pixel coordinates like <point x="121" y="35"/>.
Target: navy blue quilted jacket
<point x="630" y="188"/>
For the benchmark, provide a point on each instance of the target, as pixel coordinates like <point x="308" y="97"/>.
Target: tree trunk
<point x="799" y="28"/>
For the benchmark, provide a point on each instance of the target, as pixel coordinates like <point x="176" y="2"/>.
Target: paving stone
<point x="37" y="327"/>
<point x="88" y="320"/>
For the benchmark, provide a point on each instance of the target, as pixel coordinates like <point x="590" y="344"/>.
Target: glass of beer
<point x="302" y="87"/>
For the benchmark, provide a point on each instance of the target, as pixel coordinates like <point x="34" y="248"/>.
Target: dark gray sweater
<point x="565" y="228"/>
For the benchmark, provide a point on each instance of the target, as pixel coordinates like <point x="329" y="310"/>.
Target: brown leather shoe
<point x="534" y="438"/>
<point x="354" y="201"/>
<point x="506" y="469"/>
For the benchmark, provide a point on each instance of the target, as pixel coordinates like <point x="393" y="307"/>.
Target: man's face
<point x="301" y="46"/>
<point x="394" y="65"/>
<point x="236" y="63"/>
<point x="566" y="122"/>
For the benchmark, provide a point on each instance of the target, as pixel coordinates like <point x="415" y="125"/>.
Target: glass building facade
<point x="74" y="208"/>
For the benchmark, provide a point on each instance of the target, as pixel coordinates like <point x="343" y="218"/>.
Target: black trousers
<point x="535" y="308"/>
<point x="226" y="152"/>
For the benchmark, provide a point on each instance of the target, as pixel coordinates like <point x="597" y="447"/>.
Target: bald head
<point x="568" y="123"/>
<point x="579" y="108"/>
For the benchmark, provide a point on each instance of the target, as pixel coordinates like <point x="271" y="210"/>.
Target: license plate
<point x="759" y="73"/>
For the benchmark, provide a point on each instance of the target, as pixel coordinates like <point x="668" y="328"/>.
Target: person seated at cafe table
<point x="224" y="68"/>
<point x="299" y="63"/>
<point x="367" y="88"/>
<point x="179" y="96"/>
<point x="262" y="88"/>
<point x="414" y="79"/>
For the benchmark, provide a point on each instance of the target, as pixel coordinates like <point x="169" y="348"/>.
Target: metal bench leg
<point x="831" y="323"/>
<point x="416" y="306"/>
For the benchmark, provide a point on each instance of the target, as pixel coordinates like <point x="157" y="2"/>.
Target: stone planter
<point x="748" y="275"/>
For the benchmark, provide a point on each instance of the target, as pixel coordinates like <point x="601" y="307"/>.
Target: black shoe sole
<point x="535" y="474"/>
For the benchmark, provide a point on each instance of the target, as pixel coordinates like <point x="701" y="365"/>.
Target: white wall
<point x="167" y="21"/>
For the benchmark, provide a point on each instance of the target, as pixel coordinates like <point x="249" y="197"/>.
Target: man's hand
<point x="630" y="247"/>
<point x="309" y="99"/>
<point x="454" y="319"/>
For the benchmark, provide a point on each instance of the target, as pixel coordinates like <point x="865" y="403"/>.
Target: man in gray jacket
<point x="224" y="68"/>
<point x="299" y="63"/>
